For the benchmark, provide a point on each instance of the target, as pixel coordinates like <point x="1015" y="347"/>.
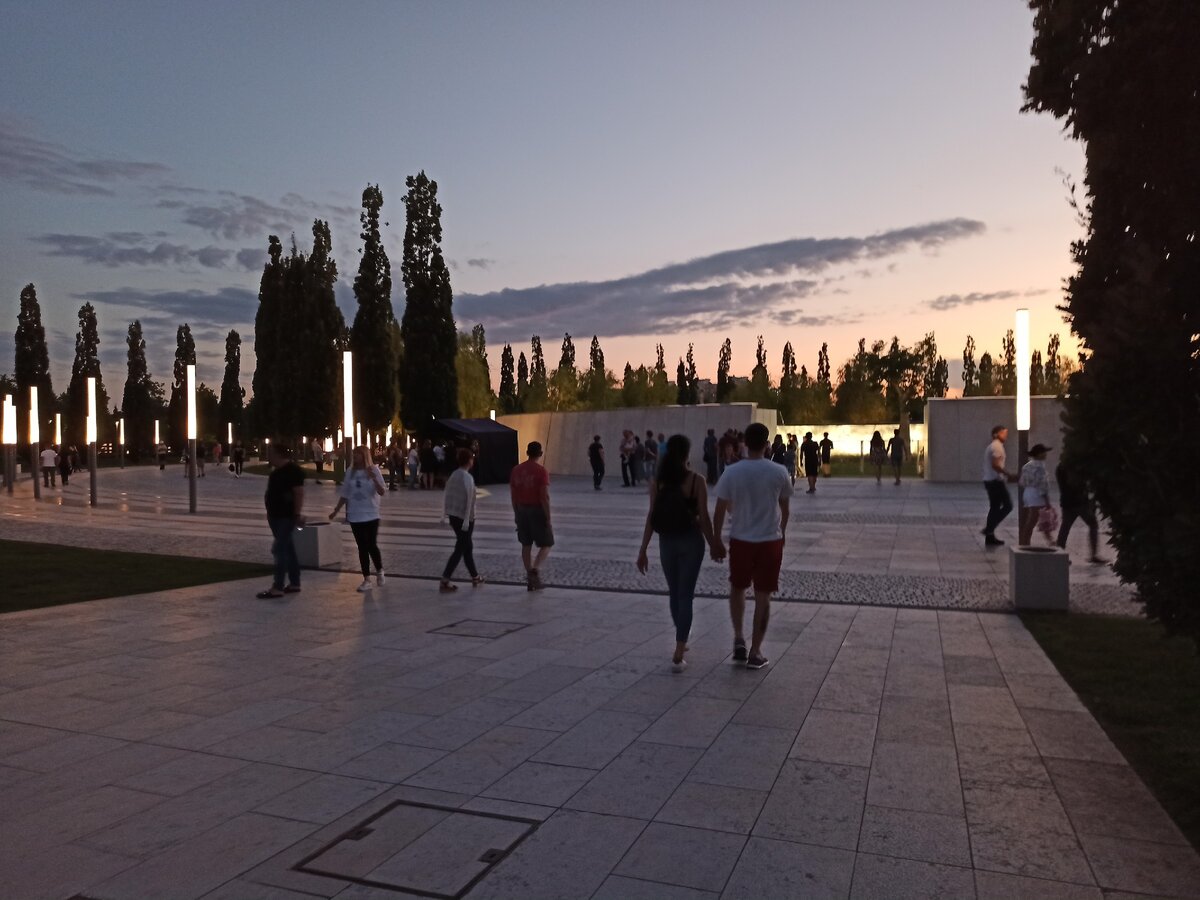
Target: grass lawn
<point x="39" y="575"/>
<point x="1144" y="689"/>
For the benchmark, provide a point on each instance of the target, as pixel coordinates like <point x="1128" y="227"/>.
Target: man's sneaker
<point x="380" y="578"/>
<point x="992" y="541"/>
<point x="739" y="651"/>
<point x="757" y="662"/>
<point x="365" y="586"/>
<point x="678" y="667"/>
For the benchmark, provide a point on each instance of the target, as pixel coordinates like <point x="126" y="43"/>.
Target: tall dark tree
<point x="1037" y="376"/>
<point x="635" y="387"/>
<point x="1051" y="373"/>
<point x="860" y="397"/>
<point x="564" y="381"/>
<point x="537" y="397"/>
<point x="970" y="385"/>
<point x="985" y="376"/>
<point x="272" y="330"/>
<point x="508" y="383"/>
<point x="681" y="386"/>
<point x="320" y="343"/>
<point x="86" y="365"/>
<point x="475" y="397"/>
<point x="1123" y="77"/>
<point x="375" y="380"/>
<point x="31" y="363"/>
<point x="232" y="403"/>
<point x="141" y="400"/>
<point x="724" y="384"/>
<point x="522" y="381"/>
<point x="428" y="383"/>
<point x="661" y="393"/>
<point x="1006" y="372"/>
<point x="185" y="355"/>
<point x="789" y="384"/>
<point x="597" y="381"/>
<point x="824" y="375"/>
<point x="693" y="379"/>
<point x="761" y="390"/>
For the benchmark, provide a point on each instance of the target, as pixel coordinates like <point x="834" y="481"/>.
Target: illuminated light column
<point x="347" y="403"/>
<point x="389" y="435"/>
<point x="229" y="437"/>
<point x="358" y="434"/>
<point x="121" y="438"/>
<point x="91" y="439"/>
<point x="191" y="436"/>
<point x="35" y="442"/>
<point x="58" y="430"/>
<point x="492" y="414"/>
<point x="1024" y="533"/>
<point x="9" y="439"/>
<point x="157" y="436"/>
<point x="329" y="443"/>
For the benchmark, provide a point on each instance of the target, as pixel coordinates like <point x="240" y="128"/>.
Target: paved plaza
<point x="497" y="743"/>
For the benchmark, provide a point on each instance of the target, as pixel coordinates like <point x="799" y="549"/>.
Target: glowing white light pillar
<point x="35" y="442"/>
<point x="91" y="439"/>
<point x="157" y="436"/>
<point x="191" y="436"/>
<point x="9" y="438"/>
<point x="347" y="403"/>
<point x="121" y="439"/>
<point x="1024" y="534"/>
<point x="58" y="431"/>
<point x="228" y="437"/>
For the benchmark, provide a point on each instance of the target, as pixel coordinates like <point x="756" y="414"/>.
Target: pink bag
<point x="1048" y="521"/>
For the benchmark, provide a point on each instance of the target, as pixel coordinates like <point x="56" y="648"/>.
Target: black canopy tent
<point x="497" y="453"/>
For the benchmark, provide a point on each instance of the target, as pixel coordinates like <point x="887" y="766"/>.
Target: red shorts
<point x="755" y="564"/>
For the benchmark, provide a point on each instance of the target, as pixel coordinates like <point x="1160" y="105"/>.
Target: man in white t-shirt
<point x="49" y="461"/>
<point x="756" y="493"/>
<point x="995" y="482"/>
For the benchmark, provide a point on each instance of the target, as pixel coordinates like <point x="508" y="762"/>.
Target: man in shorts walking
<point x="756" y="493"/>
<point x="529" y="485"/>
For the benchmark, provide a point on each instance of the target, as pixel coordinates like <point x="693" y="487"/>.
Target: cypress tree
<point x="508" y="384"/>
<point x="681" y="391"/>
<point x="985" y="376"/>
<point x="660" y="384"/>
<point x="693" y="379"/>
<point x="970" y="370"/>
<point x="538" y="394"/>
<point x="31" y="365"/>
<point x="789" y="387"/>
<point x="724" y="383"/>
<point x="231" y="404"/>
<point x="185" y="355"/>
<point x="522" y="382"/>
<point x="270" y="325"/>
<point x="1006" y="374"/>
<point x="1052" y="374"/>
<point x="86" y="365"/>
<point x="564" y="382"/>
<point x="321" y="341"/>
<point x="375" y="376"/>
<point x="140" y="400"/>
<point x="597" y="381"/>
<point x="428" y="383"/>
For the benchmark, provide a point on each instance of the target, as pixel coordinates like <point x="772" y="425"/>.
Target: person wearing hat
<point x="529" y="486"/>
<point x="1036" y="496"/>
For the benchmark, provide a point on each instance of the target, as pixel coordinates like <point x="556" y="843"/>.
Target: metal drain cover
<point x="421" y="849"/>
<point x="481" y="628"/>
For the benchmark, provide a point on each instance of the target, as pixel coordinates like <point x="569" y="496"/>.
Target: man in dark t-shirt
<point x="596" y="458"/>
<point x="810" y="452"/>
<point x="285" y="504"/>
<point x="826" y="446"/>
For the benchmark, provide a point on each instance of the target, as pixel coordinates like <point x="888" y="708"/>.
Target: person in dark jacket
<point x="1076" y="504"/>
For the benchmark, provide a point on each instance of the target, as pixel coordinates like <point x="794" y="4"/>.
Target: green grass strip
<point x="1143" y="687"/>
<point x="42" y="575"/>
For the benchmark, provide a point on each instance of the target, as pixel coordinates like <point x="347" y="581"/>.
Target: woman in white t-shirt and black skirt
<point x="360" y="492"/>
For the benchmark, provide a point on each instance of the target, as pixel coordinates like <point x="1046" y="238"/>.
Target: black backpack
<point x="673" y="512"/>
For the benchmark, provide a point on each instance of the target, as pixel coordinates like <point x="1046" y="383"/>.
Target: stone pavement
<point x="853" y="542"/>
<point x="201" y="743"/>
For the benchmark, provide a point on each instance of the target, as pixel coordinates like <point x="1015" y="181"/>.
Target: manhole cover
<point x="421" y="849"/>
<point x="481" y="628"/>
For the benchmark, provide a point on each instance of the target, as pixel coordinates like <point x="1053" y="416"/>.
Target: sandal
<point x="447" y="587"/>
<point x="269" y="594"/>
<point x="477" y="581"/>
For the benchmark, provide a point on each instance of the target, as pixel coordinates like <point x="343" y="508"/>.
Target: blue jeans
<point x="284" y="551"/>
<point x="681" y="556"/>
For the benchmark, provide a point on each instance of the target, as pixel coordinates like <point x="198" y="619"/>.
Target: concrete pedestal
<point x="1039" y="578"/>
<point x="319" y="545"/>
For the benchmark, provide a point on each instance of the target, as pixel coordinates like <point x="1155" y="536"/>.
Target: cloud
<point x="47" y="166"/>
<point x="480" y="262"/>
<point x="252" y="258"/>
<point x="722" y="290"/>
<point x="129" y="248"/>
<point x="952" y="301"/>
<point x="224" y="308"/>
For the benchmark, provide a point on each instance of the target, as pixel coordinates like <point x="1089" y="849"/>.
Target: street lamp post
<point x="347" y="404"/>
<point x="91" y="439"/>
<point x="1024" y="532"/>
<point x="10" y="440"/>
<point x="121" y="439"/>
<point x="35" y="442"/>
<point x="191" y="436"/>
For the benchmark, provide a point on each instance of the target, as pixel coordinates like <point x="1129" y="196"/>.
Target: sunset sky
<point x="672" y="172"/>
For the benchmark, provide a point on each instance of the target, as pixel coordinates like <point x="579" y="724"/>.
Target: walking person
<point x="239" y="458"/>
<point x="995" y="482"/>
<point x="897" y="449"/>
<point x="810" y="452"/>
<point x="64" y="465"/>
<point x="596" y="460"/>
<point x="414" y="465"/>
<point x="459" y="507"/>
<point x="1077" y="503"/>
<point x="161" y="451"/>
<point x="650" y="452"/>
<point x="428" y="462"/>
<point x="318" y="455"/>
<point x="626" y="451"/>
<point x="826" y="446"/>
<point x="878" y="456"/>
<point x="756" y="493"/>
<point x="637" y="461"/>
<point x="201" y="453"/>
<point x="791" y="457"/>
<point x="284" y="500"/>
<point x="679" y="514"/>
<point x="529" y="488"/>
<point x="712" y="457"/>
<point x="395" y="462"/>
<point x="1035" y="484"/>
<point x="360" y="491"/>
<point x="49" y="460"/>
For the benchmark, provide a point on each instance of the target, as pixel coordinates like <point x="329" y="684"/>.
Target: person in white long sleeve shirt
<point x="459" y="507"/>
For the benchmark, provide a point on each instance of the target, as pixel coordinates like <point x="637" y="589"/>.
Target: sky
<point x="674" y="173"/>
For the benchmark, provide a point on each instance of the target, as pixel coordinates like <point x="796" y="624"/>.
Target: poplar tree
<point x="969" y="373"/>
<point x="724" y="383"/>
<point x="760" y="379"/>
<point x="789" y="384"/>
<point x="232" y="402"/>
<point x="185" y="355"/>
<point x="597" y="381"/>
<point x="522" y="381"/>
<point x="321" y="342"/>
<point x="537" y="395"/>
<point x="375" y="377"/>
<point x="428" y="381"/>
<point x="693" y="379"/>
<point x="681" y="390"/>
<point x="1052" y="374"/>
<point x="475" y="397"/>
<point x="564" y="382"/>
<point x="271" y="329"/>
<point x="142" y="398"/>
<point x="1006" y="373"/>
<point x="508" y="384"/>
<point x="86" y="365"/>
<point x="660" y="383"/>
<point x="985" y="376"/>
<point x="31" y="362"/>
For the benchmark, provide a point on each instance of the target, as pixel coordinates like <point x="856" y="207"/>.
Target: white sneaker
<point x="678" y="667"/>
<point x="365" y="586"/>
<point x="380" y="578"/>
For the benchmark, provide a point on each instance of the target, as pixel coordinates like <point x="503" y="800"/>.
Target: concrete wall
<point x="959" y="431"/>
<point x="847" y="438"/>
<point x="565" y="436"/>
